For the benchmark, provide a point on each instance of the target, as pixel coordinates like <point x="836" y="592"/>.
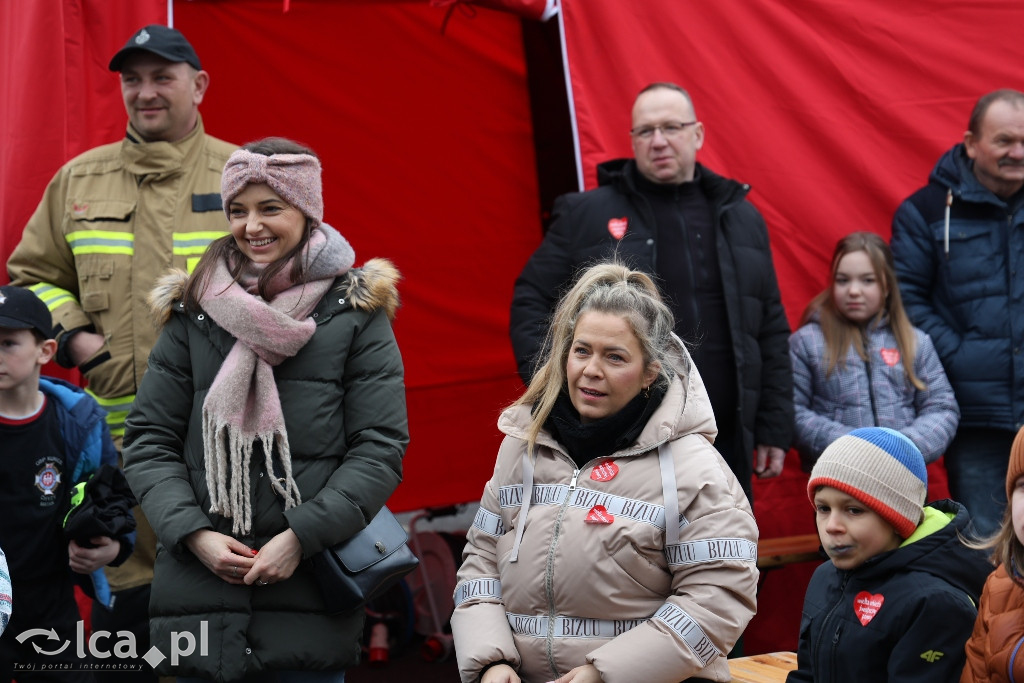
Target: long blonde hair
<point x="840" y="332"/>
<point x="605" y="288"/>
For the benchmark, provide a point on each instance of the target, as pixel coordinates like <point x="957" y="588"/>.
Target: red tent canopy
<point x="833" y="111"/>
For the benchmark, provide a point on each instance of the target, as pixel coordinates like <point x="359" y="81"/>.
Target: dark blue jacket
<point x="970" y="300"/>
<point x="83" y="426"/>
<point x="926" y="594"/>
<point x="579" y="236"/>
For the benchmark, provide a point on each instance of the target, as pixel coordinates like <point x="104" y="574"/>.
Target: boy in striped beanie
<point x="898" y="599"/>
<point x="883" y="471"/>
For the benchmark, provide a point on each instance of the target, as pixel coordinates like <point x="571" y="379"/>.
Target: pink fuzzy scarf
<point x="243" y="407"/>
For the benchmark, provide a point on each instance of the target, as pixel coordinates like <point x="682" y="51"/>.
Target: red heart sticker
<point x="604" y="471"/>
<point x="891" y="356"/>
<point x="599" y="515"/>
<point x="617" y="227"/>
<point x="866" y="606"/>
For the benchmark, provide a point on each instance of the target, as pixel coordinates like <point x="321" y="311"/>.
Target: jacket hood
<point x="685" y="409"/>
<point x="374" y="286"/>
<point x="941" y="552"/>
<point x="955" y="171"/>
<point x="610" y="172"/>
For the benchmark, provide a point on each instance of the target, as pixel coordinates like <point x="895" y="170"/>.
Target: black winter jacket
<point x="343" y="399"/>
<point x="970" y="300"/>
<point x="579" y="236"/>
<point x="903" y="616"/>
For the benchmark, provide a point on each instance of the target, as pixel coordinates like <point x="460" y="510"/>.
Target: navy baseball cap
<point x="160" y="40"/>
<point x="21" y="309"/>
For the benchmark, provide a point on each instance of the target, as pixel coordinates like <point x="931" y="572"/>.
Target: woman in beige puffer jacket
<point x="570" y="571"/>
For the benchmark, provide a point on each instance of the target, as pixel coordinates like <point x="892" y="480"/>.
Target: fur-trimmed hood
<point x="368" y="288"/>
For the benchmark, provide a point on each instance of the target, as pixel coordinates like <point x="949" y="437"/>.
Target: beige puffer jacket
<point x="613" y="594"/>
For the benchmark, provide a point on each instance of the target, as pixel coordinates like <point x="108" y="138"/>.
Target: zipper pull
<point x="575" y="476"/>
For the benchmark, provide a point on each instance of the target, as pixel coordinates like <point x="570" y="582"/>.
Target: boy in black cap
<point x="54" y="435"/>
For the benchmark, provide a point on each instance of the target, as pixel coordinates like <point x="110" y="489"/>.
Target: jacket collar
<point x="955" y="171"/>
<point x="623" y="173"/>
<point x="161" y="158"/>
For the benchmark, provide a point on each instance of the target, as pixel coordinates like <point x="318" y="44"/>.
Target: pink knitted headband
<point x="296" y="177"/>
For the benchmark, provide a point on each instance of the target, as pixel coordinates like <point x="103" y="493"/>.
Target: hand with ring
<point x="225" y="556"/>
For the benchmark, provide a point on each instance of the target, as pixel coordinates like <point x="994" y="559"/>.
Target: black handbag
<point x="362" y="567"/>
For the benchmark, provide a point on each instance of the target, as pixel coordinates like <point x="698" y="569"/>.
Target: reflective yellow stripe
<point x="117" y="410"/>
<point x="195" y="243"/>
<point x="100" y="242"/>
<point x="54" y="297"/>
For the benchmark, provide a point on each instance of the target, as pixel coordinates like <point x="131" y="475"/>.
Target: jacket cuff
<point x="63" y="336"/>
<point x="500" y="661"/>
<point x="124" y="553"/>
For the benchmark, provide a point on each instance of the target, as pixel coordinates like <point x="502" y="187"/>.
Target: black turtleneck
<point x="600" y="438"/>
<point x="687" y="265"/>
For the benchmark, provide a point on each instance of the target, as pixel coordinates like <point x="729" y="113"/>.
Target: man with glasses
<point x="708" y="249"/>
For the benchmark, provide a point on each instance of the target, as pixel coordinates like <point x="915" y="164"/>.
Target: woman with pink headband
<point x="270" y="425"/>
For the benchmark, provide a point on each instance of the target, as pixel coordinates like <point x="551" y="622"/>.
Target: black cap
<point x="21" y="309"/>
<point x="160" y="40"/>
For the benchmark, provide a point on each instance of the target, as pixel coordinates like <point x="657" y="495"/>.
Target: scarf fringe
<point x="228" y="458"/>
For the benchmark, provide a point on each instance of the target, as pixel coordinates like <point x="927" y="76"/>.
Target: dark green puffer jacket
<point x="343" y="398"/>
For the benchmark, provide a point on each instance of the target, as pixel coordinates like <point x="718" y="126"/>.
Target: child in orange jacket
<point x="994" y="651"/>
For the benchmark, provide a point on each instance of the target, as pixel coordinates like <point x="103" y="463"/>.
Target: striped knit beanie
<point x="882" y="469"/>
<point x="1016" y="468"/>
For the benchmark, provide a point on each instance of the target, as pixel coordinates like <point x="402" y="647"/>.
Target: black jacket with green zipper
<point x="903" y="616"/>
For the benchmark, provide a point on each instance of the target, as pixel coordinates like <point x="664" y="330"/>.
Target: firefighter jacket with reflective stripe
<point x="111" y="221"/>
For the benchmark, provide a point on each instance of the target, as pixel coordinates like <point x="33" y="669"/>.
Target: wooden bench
<point x="771" y="667"/>
<point x="773" y="553"/>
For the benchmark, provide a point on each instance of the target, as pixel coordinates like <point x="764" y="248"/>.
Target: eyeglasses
<point x="669" y="130"/>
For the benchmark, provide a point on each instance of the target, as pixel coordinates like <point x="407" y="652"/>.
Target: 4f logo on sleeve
<point x="932" y="656"/>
